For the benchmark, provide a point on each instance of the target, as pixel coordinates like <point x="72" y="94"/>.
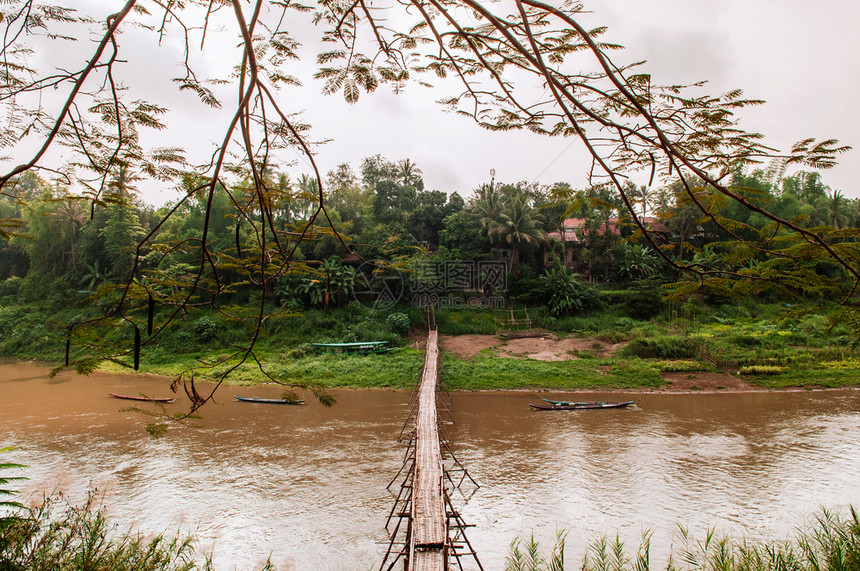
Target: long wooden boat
<point x="564" y="405"/>
<point x="142" y="399"/>
<point x="267" y="401"/>
<point x="359" y="347"/>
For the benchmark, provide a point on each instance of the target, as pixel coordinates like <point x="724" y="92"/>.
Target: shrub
<point x="681" y="366"/>
<point x="568" y="295"/>
<point x="9" y="288"/>
<point x="82" y="538"/>
<point x="625" y="323"/>
<point x="670" y="348"/>
<point x="762" y="370"/>
<point x="747" y="340"/>
<point x="206" y="329"/>
<point x="398" y="323"/>
<point x="612" y="337"/>
<point x="10" y="318"/>
<point x="646" y="301"/>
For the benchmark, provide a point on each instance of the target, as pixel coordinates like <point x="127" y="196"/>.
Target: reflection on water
<point x="307" y="484"/>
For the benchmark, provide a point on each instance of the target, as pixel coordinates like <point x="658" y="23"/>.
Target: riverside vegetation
<point x="67" y="269"/>
<point x="770" y="345"/>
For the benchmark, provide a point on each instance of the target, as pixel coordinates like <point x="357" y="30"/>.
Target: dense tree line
<point x="67" y="248"/>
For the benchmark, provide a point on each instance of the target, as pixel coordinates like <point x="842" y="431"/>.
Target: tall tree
<point x="518" y="226"/>
<point x="408" y="174"/>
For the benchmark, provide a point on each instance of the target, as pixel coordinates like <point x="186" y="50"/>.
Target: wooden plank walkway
<point x="427" y="550"/>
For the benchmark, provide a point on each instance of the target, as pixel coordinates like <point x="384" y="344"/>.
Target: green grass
<point x="823" y="378"/>
<point x="396" y="369"/>
<point x="485" y="372"/>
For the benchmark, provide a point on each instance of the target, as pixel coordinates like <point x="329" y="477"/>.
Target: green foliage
<point x="121" y="234"/>
<point x="831" y="543"/>
<point x="398" y="323"/>
<point x="465" y="322"/>
<point x="64" y="537"/>
<point x="635" y="262"/>
<point x="9" y="289"/>
<point x="668" y="347"/>
<point x="532" y="560"/>
<point x="646" y="300"/>
<point x="206" y="329"/>
<point x="10" y="319"/>
<point x="93" y="276"/>
<point x="568" y="294"/>
<point x="8" y="508"/>
<point x="761" y="370"/>
<point x="156" y="429"/>
<point x="486" y="372"/>
<point x="395" y="369"/>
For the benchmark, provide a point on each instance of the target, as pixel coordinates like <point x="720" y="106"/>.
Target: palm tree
<point x="304" y="199"/>
<point x="641" y="195"/>
<point x="836" y="209"/>
<point x="72" y="215"/>
<point x="487" y="206"/>
<point x="408" y="173"/>
<point x="282" y="190"/>
<point x="518" y="226"/>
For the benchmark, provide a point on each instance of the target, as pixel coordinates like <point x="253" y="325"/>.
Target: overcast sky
<point x="801" y="58"/>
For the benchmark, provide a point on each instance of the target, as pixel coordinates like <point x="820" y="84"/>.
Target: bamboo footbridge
<point x="428" y="532"/>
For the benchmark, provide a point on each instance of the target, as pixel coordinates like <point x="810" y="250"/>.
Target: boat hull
<point x="142" y="399"/>
<point x="561" y="405"/>
<point x="267" y="401"/>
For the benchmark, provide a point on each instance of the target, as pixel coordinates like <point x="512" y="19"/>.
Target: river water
<point x="306" y="485"/>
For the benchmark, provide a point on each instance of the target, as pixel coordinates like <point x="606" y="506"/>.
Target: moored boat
<point x="565" y="405"/>
<point x="267" y="401"/>
<point x="142" y="399"/>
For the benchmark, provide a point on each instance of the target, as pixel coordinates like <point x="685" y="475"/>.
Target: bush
<point x="670" y="348"/>
<point x="568" y="295"/>
<point x="762" y="370"/>
<point x="612" y="337"/>
<point x="646" y="300"/>
<point x="82" y="538"/>
<point x="10" y="318"/>
<point x="9" y="288"/>
<point x="747" y="340"/>
<point x="681" y="366"/>
<point x="206" y="329"/>
<point x="398" y="323"/>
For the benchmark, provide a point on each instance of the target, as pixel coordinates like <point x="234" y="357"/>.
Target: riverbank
<point x="745" y="346"/>
<point x="488" y="363"/>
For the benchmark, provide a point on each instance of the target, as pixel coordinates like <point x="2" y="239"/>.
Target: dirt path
<point x="546" y="348"/>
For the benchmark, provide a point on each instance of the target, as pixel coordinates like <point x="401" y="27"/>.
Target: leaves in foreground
<point x="830" y="543"/>
<point x="59" y="536"/>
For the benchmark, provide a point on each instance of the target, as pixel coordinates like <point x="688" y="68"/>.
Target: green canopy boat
<point x="359" y="347"/>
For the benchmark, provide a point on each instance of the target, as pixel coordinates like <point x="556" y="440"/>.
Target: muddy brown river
<point x="306" y="485"/>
